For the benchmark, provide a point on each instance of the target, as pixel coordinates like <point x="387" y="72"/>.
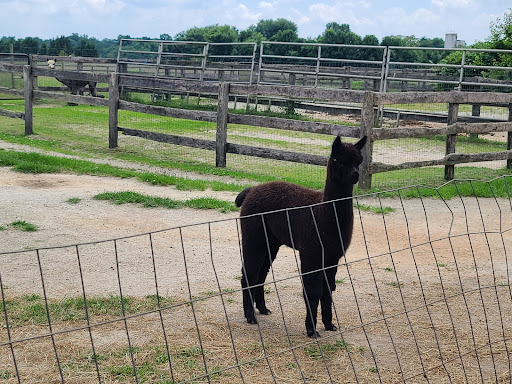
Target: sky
<point x="470" y="19"/>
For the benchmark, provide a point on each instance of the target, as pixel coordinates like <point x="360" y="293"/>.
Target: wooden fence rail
<point x="369" y="101"/>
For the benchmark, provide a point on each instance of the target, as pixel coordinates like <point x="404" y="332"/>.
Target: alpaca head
<point x="343" y="164"/>
<point x="51" y="63"/>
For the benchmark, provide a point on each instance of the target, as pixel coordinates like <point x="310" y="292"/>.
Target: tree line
<point x="280" y="30"/>
<point x="283" y="30"/>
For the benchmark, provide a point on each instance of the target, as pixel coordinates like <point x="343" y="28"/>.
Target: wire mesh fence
<point x="423" y="296"/>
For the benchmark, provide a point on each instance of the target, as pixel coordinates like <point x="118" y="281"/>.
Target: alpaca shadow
<point x="317" y="224"/>
<point x="76" y="86"/>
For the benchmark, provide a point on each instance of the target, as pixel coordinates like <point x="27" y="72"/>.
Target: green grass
<point x="432" y="184"/>
<point x="82" y="131"/>
<point x="22" y="225"/>
<point x="211" y="105"/>
<point x="328" y="350"/>
<point x="151" y="201"/>
<point x="374" y="209"/>
<point x="38" y="163"/>
<point x="73" y="200"/>
<point x="32" y="309"/>
<point x="443" y="108"/>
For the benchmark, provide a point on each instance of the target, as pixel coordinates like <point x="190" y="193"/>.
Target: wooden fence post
<point x="451" y="140"/>
<point x="475" y="111"/>
<point x="28" y="89"/>
<point x="509" y="136"/>
<point x="113" y="107"/>
<point x="367" y="124"/>
<point x="222" y="125"/>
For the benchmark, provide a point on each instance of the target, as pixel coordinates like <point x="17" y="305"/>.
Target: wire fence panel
<point x="187" y="59"/>
<point x="423" y="296"/>
<point x="322" y="65"/>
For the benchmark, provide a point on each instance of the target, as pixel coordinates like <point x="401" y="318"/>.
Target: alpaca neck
<point x="334" y="191"/>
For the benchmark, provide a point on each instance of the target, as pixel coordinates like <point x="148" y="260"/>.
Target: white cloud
<point x="341" y="12"/>
<point x="399" y="17"/>
<point x="267" y="6"/>
<point x="454" y="3"/>
<point x="106" y="6"/>
<point x="54" y="7"/>
<point x="241" y="14"/>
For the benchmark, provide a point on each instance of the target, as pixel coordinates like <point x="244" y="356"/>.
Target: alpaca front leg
<point x="326" y="300"/>
<point x="312" y="294"/>
<point x="92" y="89"/>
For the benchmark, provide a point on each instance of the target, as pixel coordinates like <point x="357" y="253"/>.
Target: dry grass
<point x="450" y="340"/>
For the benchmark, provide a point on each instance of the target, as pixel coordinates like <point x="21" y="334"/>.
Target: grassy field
<point x="82" y="131"/>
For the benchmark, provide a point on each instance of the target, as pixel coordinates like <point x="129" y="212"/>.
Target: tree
<point x="370" y="53"/>
<point x="401" y="41"/>
<point x="286" y="36"/>
<point x="501" y="37"/>
<point x="370" y="40"/>
<point x="60" y="47"/>
<point x="269" y="28"/>
<point x="86" y="48"/>
<point x="28" y="45"/>
<point x="340" y="34"/>
<point x="5" y="43"/>
<point x="212" y="34"/>
<point x="250" y="35"/>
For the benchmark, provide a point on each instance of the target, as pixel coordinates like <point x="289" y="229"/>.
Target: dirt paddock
<point x="423" y="295"/>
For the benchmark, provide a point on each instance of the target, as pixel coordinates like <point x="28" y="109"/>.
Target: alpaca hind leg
<point x="326" y="304"/>
<point x="252" y="266"/>
<point x="260" y="290"/>
<point x="248" y="299"/>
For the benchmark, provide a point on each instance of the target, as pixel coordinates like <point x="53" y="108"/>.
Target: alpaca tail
<point x="241" y="197"/>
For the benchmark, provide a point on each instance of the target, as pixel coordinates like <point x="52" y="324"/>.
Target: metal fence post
<point x="113" y="107"/>
<point x="367" y="124"/>
<point x="222" y="125"/>
<point x="28" y="89"/>
<point x="461" y="75"/>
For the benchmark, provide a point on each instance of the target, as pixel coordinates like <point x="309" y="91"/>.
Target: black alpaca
<point x="320" y="232"/>
<point x="76" y="86"/>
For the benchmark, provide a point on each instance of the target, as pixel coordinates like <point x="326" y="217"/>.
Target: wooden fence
<point x="370" y="102"/>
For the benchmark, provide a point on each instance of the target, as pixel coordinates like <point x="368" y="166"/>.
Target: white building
<point x="450" y="41"/>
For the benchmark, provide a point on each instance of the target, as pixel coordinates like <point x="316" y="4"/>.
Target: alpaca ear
<point x="336" y="145"/>
<point x="360" y="144"/>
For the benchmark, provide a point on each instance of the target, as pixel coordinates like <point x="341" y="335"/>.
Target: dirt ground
<point x="426" y="251"/>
